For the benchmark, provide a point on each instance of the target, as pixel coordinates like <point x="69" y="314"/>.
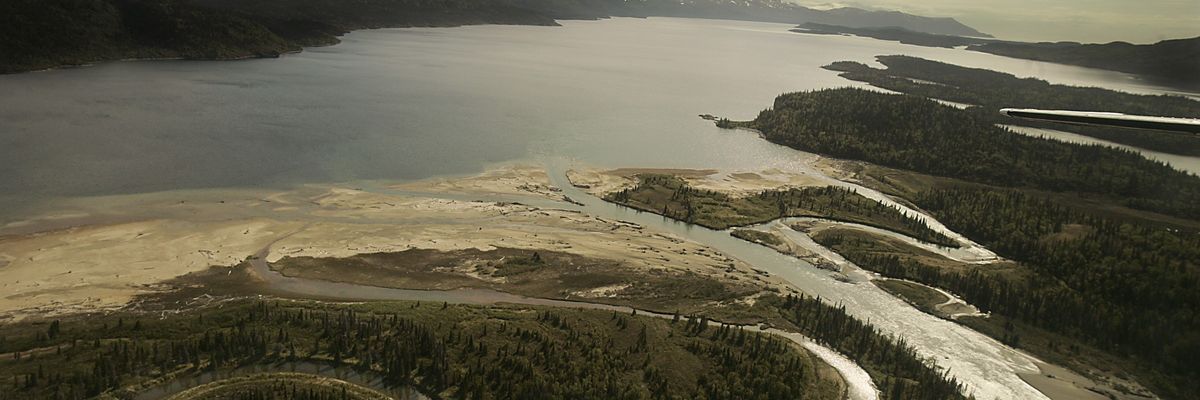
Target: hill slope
<point x="37" y="34"/>
<point x="1171" y="61"/>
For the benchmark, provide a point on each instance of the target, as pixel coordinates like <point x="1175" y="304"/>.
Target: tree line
<point x="917" y="134"/>
<point x="1124" y="286"/>
<point x="989" y="91"/>
<point x="442" y="350"/>
<point x="1099" y="274"/>
<point x="899" y="372"/>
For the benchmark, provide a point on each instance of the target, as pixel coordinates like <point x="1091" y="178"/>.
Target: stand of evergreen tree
<point x="1121" y="285"/>
<point x="1112" y="279"/>
<point x="899" y="372"/>
<point x="458" y="351"/>
<point x="916" y="134"/>
<point x="989" y="91"/>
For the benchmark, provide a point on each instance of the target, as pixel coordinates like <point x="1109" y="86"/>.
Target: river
<point x="400" y="104"/>
<point x="987" y="367"/>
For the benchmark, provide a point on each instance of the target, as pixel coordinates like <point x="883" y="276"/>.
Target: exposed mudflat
<point x="114" y="248"/>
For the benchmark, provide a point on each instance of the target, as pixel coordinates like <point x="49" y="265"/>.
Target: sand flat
<point x="114" y="248"/>
<point x="1059" y="383"/>
<point x="600" y="182"/>
<point x="513" y="179"/>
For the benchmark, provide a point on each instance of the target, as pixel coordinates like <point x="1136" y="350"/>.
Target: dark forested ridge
<point x="1171" y="62"/>
<point x="37" y="34"/>
<point x="890" y="33"/>
<point x="468" y="352"/>
<point x="445" y="351"/>
<point x="991" y="91"/>
<point x="917" y="134"/>
<point x="1175" y="61"/>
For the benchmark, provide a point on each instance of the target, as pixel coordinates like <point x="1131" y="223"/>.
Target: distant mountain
<point x="1174" y="62"/>
<point x="855" y="17"/>
<point x="1171" y="61"/>
<point x="36" y="34"/>
<point x="786" y="12"/>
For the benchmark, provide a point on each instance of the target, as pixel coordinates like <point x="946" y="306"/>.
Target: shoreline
<point x="96" y="63"/>
<point x="343" y="220"/>
<point x="146" y="240"/>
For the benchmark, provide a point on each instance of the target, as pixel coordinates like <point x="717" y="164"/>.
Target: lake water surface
<point x="413" y="103"/>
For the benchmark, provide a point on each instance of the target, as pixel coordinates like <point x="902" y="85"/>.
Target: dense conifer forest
<point x="1121" y="285"/>
<point x="898" y="371"/>
<point x="989" y="91"/>
<point x="1135" y="286"/>
<point x="917" y="134"/>
<point x="467" y="352"/>
<point x="1111" y="279"/>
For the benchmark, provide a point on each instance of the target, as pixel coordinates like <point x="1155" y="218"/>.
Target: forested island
<point x="1091" y="267"/>
<point x="1170" y="62"/>
<point x="989" y="91"/>
<point x="39" y="34"/>
<point x="672" y="197"/>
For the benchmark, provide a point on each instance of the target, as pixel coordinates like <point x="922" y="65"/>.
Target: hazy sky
<point x="1137" y="21"/>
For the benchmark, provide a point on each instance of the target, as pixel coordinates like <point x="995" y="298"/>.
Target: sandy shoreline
<point x="127" y="245"/>
<point x="95" y="254"/>
<point x="1061" y="383"/>
<point x="104" y="252"/>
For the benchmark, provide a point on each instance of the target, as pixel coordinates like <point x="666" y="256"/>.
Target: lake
<point x="414" y="103"/>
